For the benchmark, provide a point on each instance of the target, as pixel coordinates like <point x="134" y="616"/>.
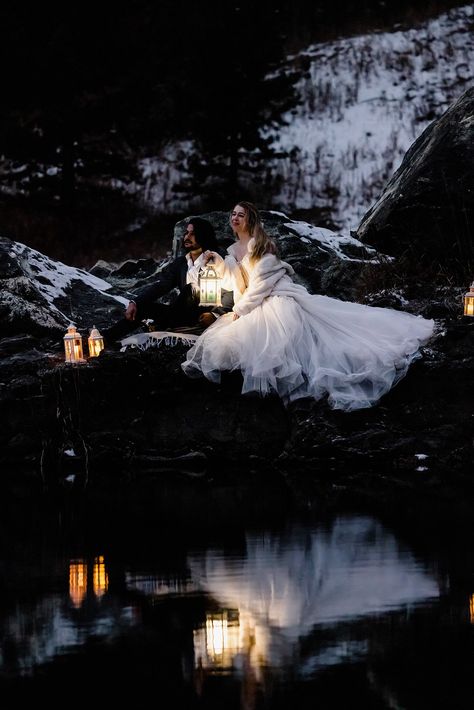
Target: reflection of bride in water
<point x="285" y="587"/>
<point x="287" y="341"/>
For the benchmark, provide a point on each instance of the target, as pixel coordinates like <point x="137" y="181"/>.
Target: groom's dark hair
<point x="204" y="233"/>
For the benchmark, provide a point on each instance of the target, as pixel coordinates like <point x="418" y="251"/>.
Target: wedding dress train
<point x="295" y="344"/>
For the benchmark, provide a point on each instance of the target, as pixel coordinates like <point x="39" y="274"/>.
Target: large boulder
<point x="427" y="209"/>
<point x="40" y="296"/>
<point x="312" y="251"/>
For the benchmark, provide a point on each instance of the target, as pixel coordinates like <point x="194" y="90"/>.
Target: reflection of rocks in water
<point x="38" y="631"/>
<point x="333" y="611"/>
<point x="286" y="587"/>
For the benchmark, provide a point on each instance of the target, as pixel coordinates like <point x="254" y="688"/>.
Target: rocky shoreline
<point x="131" y="417"/>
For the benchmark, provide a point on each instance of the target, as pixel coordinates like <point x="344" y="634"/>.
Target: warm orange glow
<point x="100" y="577"/>
<point x="225" y="636"/>
<point x="469" y="301"/>
<point x="471" y="608"/>
<point x="95" y="342"/>
<point x="77" y="582"/>
<point x="73" y="345"/>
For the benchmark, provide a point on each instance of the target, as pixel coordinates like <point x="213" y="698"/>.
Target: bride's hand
<point x="236" y="315"/>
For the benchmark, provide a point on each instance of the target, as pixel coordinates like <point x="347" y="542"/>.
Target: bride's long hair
<point x="264" y="244"/>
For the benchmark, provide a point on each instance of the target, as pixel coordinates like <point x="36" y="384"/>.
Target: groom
<point x="183" y="274"/>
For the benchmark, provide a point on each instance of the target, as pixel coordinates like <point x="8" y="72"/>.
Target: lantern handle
<point x="209" y="256"/>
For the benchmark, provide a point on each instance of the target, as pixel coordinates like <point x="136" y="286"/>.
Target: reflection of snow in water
<point x="35" y="632"/>
<point x="276" y="593"/>
<point x="290" y="584"/>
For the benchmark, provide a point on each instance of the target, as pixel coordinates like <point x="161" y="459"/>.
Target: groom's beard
<point x="187" y="246"/>
<point x="192" y="248"/>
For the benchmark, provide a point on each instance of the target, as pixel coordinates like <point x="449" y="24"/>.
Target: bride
<point x="285" y="340"/>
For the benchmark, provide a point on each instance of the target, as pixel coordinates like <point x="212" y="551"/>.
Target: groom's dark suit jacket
<point x="174" y="276"/>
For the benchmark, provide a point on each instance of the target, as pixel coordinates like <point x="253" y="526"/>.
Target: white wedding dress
<point x="295" y="344"/>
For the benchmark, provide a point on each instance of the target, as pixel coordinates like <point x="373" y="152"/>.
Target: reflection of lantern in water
<point x="77" y="581"/>
<point x="79" y="575"/>
<point x="222" y="636"/>
<point x="217" y="642"/>
<point x="100" y="577"/>
<point x="471" y="608"/>
<point x="226" y="635"/>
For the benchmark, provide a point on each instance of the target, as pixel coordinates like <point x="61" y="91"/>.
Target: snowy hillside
<point x="363" y="101"/>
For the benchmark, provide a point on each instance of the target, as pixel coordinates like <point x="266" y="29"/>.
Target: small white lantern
<point x="209" y="287"/>
<point x="95" y="342"/>
<point x="469" y="301"/>
<point x="73" y="345"/>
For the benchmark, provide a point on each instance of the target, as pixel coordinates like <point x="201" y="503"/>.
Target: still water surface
<point x="326" y="614"/>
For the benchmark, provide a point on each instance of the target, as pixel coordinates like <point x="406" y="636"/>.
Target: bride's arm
<point x="266" y="274"/>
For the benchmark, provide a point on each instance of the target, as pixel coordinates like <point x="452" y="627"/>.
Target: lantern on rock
<point x="95" y="342"/>
<point x="469" y="301"/>
<point x="209" y="287"/>
<point x="73" y="345"/>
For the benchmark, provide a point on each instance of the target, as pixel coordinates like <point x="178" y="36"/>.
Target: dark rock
<point x="339" y="278"/>
<point x="127" y="411"/>
<point x="132" y="415"/>
<point x="423" y="426"/>
<point x="16" y="344"/>
<point x="310" y="250"/>
<point x="135" y="269"/>
<point x="41" y="297"/>
<point x="101" y="269"/>
<point x="427" y="209"/>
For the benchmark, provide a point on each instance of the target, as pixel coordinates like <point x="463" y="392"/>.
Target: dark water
<point x="330" y="612"/>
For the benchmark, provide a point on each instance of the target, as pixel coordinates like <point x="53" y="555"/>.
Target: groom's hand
<point x="206" y="319"/>
<point x="208" y="256"/>
<point x="131" y="312"/>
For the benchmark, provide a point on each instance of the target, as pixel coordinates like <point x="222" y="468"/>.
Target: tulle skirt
<point x="312" y="346"/>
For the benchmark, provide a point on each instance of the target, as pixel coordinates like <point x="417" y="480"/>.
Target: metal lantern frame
<point x="95" y="342"/>
<point x="209" y="286"/>
<point x="469" y="301"/>
<point x="73" y="345"/>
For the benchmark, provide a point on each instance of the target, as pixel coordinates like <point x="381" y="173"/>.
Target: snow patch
<point x="53" y="278"/>
<point x="328" y="240"/>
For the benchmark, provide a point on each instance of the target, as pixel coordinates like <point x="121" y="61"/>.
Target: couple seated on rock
<point x="182" y="274"/>
<point x="281" y="338"/>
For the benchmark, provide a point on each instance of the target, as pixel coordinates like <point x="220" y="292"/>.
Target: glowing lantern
<point x="95" y="342"/>
<point x="469" y="301"/>
<point x="209" y="286"/>
<point x="73" y="345"/>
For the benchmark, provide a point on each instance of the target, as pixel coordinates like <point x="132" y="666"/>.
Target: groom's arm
<point x="168" y="279"/>
<point x="227" y="303"/>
